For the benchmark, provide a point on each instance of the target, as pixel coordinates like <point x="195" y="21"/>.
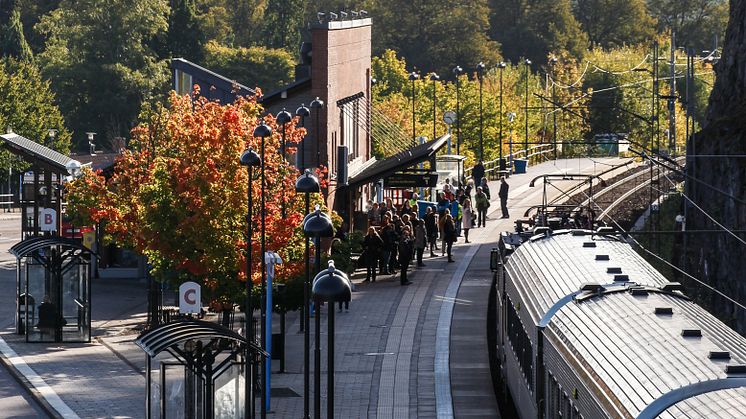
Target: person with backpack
<point x="483" y="202"/>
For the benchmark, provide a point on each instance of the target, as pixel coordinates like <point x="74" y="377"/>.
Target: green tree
<point x="31" y="13"/>
<point x="27" y="106"/>
<point x="14" y="42"/>
<point x="185" y="37"/>
<point x="100" y="62"/>
<point x="282" y="24"/>
<point x="254" y="66"/>
<point x="614" y="23"/>
<point x="536" y="28"/>
<point x="697" y="22"/>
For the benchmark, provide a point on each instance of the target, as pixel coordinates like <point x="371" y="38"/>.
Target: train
<point x="584" y="327"/>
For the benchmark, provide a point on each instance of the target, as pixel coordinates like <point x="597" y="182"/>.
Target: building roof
<point x="402" y="160"/>
<point x="629" y="336"/>
<point x="286" y="91"/>
<point x="34" y="152"/>
<point x="212" y="77"/>
<point x="98" y="161"/>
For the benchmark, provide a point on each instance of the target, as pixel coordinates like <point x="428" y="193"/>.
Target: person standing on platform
<point x="406" y="248"/>
<point x="431" y="227"/>
<point x="477" y="172"/>
<point x="482" y="204"/>
<point x="503" y="194"/>
<point x="468" y="219"/>
<point x="456" y="214"/>
<point x="449" y="235"/>
<point x="373" y="244"/>
<point x="486" y="188"/>
<point x="420" y="241"/>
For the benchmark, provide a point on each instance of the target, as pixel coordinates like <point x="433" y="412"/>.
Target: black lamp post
<point x="501" y="66"/>
<point x="317" y="104"/>
<point x="552" y="63"/>
<point x="412" y="77"/>
<point x="263" y="131"/>
<point x="434" y="78"/>
<point x="317" y="225"/>
<point x="306" y="184"/>
<point x="458" y="71"/>
<point x="527" y="62"/>
<point x="283" y="118"/>
<point x="480" y="76"/>
<point x="331" y="285"/>
<point x="302" y="112"/>
<point x="250" y="159"/>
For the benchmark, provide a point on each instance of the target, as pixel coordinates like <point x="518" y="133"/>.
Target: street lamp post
<point x="434" y="78"/>
<point x="52" y="134"/>
<point x="307" y="184"/>
<point x="527" y="62"/>
<point x="480" y="76"/>
<point x="283" y="118"/>
<point x="501" y="66"/>
<point x="331" y="285"/>
<point x="412" y="77"/>
<point x="317" y="225"/>
<point x="457" y="71"/>
<point x="302" y="112"/>
<point x="263" y="131"/>
<point x="318" y="104"/>
<point x="250" y="159"/>
<point x="552" y="63"/>
<point x="511" y="118"/>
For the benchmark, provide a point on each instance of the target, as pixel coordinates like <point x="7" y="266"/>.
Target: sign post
<point x="270" y="259"/>
<point x="190" y="298"/>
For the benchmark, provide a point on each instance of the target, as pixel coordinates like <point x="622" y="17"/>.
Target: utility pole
<point x="672" y="97"/>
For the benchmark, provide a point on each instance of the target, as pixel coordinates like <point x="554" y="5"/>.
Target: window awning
<point x="402" y="160"/>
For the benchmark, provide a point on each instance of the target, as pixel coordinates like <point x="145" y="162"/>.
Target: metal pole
<point x="481" y="145"/>
<point x="671" y="100"/>
<point x="525" y="145"/>
<point x="282" y="151"/>
<point x="414" y="135"/>
<point x="307" y="331"/>
<point x="435" y="101"/>
<point x="318" y="139"/>
<point x="264" y="287"/>
<point x="317" y="363"/>
<point x="248" y="309"/>
<point x="554" y="115"/>
<point x="303" y="145"/>
<point x="500" y="117"/>
<point x="330" y="364"/>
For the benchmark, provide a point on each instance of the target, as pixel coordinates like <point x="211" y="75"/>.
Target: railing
<point x="6" y="201"/>
<point x="533" y="154"/>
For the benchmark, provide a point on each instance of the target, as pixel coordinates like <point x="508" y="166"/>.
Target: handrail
<point x="492" y="166"/>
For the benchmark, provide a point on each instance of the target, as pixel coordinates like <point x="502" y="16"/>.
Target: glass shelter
<point x="53" y="278"/>
<point x="198" y="369"/>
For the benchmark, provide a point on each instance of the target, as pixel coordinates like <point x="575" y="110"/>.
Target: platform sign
<point x="411" y="180"/>
<point x="48" y="219"/>
<point x="190" y="298"/>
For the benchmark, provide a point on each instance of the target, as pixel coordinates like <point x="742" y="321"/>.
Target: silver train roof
<point x="658" y="353"/>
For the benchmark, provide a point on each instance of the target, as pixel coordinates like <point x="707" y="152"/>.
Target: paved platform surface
<point x="415" y="351"/>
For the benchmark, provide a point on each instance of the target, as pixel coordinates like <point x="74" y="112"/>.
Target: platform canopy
<point x="167" y="335"/>
<point x="36" y="153"/>
<point x="399" y="161"/>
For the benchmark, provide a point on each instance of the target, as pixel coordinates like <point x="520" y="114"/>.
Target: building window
<point x="352" y="122"/>
<point x="520" y="343"/>
<point x="182" y="83"/>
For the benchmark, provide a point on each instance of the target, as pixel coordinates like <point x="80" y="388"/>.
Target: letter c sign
<point x="190" y="298"/>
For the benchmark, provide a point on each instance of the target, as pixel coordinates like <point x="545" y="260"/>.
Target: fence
<point x="534" y="155"/>
<point x="6" y="201"/>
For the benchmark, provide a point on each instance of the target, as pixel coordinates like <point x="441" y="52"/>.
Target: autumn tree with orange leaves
<point x="179" y="196"/>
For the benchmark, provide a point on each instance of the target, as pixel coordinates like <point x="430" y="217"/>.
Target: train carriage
<point x="588" y="329"/>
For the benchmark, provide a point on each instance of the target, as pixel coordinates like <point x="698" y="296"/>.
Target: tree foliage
<point x="614" y="23"/>
<point x="180" y="197"/>
<point x="696" y="22"/>
<point x="14" y="41"/>
<point x="100" y="62"/>
<point x="254" y="66"/>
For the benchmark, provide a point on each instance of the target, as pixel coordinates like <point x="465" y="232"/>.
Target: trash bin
<point x="519" y="165"/>
<point x="422" y="207"/>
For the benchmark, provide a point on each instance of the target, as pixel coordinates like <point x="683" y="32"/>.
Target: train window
<point x="520" y="343"/>
<point x="565" y="405"/>
<point x="575" y="413"/>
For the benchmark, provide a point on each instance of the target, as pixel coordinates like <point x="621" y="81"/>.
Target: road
<point x="15" y="402"/>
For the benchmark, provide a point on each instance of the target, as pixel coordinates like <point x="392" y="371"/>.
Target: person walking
<point x="373" y="245"/>
<point x="503" y="194"/>
<point x="390" y="241"/>
<point x="468" y="219"/>
<point x="483" y="203"/>
<point x="406" y="248"/>
<point x="431" y="227"/>
<point x="456" y="214"/>
<point x="449" y="235"/>
<point x="477" y="172"/>
<point x="486" y="188"/>
<point x="420" y="241"/>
